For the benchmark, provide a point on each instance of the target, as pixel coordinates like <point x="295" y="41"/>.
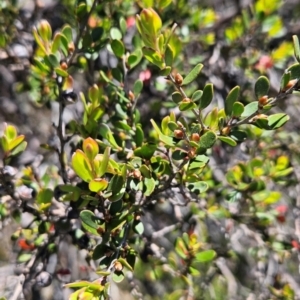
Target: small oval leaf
<point x="193" y="74"/>
<point x="230" y="99"/>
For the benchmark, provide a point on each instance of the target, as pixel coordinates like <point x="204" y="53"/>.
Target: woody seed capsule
<point x="178" y="133"/>
<point x="195" y="137"/>
<point x="178" y="79"/>
<point x="263" y="100"/>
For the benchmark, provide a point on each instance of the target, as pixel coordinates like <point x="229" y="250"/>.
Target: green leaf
<point x="90" y="148"/>
<point x="115" y="33"/>
<point x="250" y="109"/>
<point x="286" y="77"/>
<point x="154" y="57"/>
<point x="207" y="140"/>
<point x="208" y="94"/>
<point x="59" y="71"/>
<point x="97" y="33"/>
<point x="134" y="58"/>
<point x="172" y="126"/>
<point x="180" y="248"/>
<point x="262" y="86"/>
<point x="67" y="32"/>
<point x="187" y="105"/>
<point x="196" y="95"/>
<point x="118" y="48"/>
<point x="116" y="187"/>
<point x="294" y="70"/>
<point x="82" y="166"/>
<point x="64" y="45"/>
<point x="237" y="109"/>
<point x="169" y="56"/>
<point x="44" y="196"/>
<point x="89" y="221"/>
<point x="150" y="186"/>
<point x="230" y="99"/>
<point x="146" y="151"/>
<point x="296" y="48"/>
<point x="238" y="135"/>
<point x="123" y="25"/>
<point x="165" y="139"/>
<point x="10" y="132"/>
<point x="118" y="276"/>
<point x="20" y="148"/>
<point x="51" y="60"/>
<point x="15" y="142"/>
<point x="139" y="136"/>
<point x="198" y="187"/>
<point x="205" y="256"/>
<point x="164" y="3"/>
<point x="107" y="134"/>
<point x="165" y="72"/>
<point x="115" y="207"/>
<point x="277" y="120"/>
<point x="4" y="143"/>
<point x="227" y="140"/>
<point x="97" y="185"/>
<point x="145" y="171"/>
<point x="137" y="87"/>
<point x="24" y="257"/>
<point x="193" y="74"/>
<point x="104" y="162"/>
<point x="177" y="97"/>
<point x="138" y="227"/>
<point x="94" y="94"/>
<point x="150" y="22"/>
<point x="38" y="40"/>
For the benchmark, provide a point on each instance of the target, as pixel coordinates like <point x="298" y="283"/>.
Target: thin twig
<point x="273" y="102"/>
<point x="165" y="230"/>
<point x="60" y="133"/>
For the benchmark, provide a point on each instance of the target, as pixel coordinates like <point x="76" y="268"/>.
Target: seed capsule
<point x="225" y="130"/>
<point x="195" y="137"/>
<point x="263" y="101"/>
<point x="178" y="79"/>
<point x="178" y="133"/>
<point x="289" y="85"/>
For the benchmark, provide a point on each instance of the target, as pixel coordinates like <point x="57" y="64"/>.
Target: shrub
<point x="177" y="183"/>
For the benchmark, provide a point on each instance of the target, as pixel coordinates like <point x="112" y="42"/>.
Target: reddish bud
<point x="130" y="22"/>
<point x="195" y="137"/>
<point x="145" y="76"/>
<point x="289" y="85"/>
<point x="178" y="133"/>
<point x="178" y="79"/>
<point x="192" y="153"/>
<point x="281" y="213"/>
<point x="131" y="96"/>
<point x="264" y="63"/>
<point x="24" y="245"/>
<point x="295" y="244"/>
<point x="137" y="174"/>
<point x="64" y="65"/>
<point x="263" y="101"/>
